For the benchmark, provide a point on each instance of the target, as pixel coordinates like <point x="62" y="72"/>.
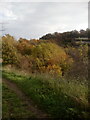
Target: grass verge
<point x="12" y="106"/>
<point x="60" y="99"/>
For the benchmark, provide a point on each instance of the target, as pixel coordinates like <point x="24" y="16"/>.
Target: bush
<point x="50" y="57"/>
<point x="79" y="68"/>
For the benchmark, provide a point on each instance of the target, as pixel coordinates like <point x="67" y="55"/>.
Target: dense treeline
<point x="66" y="38"/>
<point x="39" y="56"/>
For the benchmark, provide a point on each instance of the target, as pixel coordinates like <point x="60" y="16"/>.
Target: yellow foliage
<point x="54" y="69"/>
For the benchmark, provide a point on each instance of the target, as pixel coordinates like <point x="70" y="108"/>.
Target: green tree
<point x="9" y="54"/>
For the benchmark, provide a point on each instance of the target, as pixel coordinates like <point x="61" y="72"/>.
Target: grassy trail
<point x="60" y="99"/>
<point x="28" y="102"/>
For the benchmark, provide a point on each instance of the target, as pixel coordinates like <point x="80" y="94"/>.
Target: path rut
<point x="31" y="106"/>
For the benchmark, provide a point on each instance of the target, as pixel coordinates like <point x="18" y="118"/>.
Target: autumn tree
<point x="24" y="46"/>
<point x="50" y="57"/>
<point x="9" y="52"/>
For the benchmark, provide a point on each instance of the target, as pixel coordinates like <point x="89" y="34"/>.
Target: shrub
<point x="50" y="57"/>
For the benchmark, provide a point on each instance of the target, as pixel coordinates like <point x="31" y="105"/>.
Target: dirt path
<point x="31" y="106"/>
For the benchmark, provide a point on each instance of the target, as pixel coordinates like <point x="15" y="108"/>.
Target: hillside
<point x="51" y="72"/>
<point x="67" y="38"/>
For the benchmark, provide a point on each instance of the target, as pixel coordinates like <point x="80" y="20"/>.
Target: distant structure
<point x="80" y="40"/>
<point x="2" y="27"/>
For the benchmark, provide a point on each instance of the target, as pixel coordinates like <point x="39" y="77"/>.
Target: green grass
<point x="12" y="106"/>
<point x="59" y="98"/>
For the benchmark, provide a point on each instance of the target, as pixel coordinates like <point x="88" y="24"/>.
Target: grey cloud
<point x="36" y="19"/>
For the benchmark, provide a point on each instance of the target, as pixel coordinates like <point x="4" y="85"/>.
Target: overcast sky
<point x="33" y="20"/>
